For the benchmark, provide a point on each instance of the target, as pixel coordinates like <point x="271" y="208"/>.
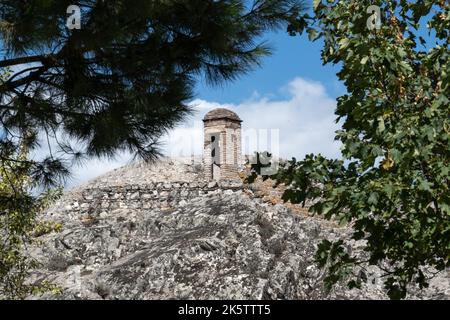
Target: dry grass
<point x="273" y="195"/>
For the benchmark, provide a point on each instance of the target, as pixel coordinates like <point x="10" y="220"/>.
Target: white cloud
<point x="95" y="167"/>
<point x="305" y="120"/>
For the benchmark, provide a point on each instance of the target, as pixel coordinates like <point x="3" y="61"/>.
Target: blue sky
<point x="292" y="57"/>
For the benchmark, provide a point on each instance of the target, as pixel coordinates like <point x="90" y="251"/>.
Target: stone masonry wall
<point x="98" y="200"/>
<point x="230" y="148"/>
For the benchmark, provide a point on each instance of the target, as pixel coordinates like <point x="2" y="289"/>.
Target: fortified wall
<point x="95" y="200"/>
<point x="169" y="182"/>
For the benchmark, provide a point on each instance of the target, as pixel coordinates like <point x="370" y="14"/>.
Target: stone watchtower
<point x="222" y="149"/>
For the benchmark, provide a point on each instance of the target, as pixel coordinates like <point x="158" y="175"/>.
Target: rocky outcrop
<point x="140" y="173"/>
<point x="175" y="240"/>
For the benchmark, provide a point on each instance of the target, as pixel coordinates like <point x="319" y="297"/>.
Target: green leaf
<point x="316" y="4"/>
<point x="381" y="126"/>
<point x="312" y="34"/>
<point x="389" y="189"/>
<point x="343" y="43"/>
<point x="424" y="185"/>
<point x="373" y="198"/>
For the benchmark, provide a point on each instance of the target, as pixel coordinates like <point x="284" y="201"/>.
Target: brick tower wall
<point x="230" y="145"/>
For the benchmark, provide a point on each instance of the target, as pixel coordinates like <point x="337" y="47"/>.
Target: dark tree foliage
<point x="19" y="208"/>
<point x="124" y="78"/>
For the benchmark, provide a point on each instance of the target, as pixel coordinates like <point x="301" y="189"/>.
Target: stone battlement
<point x="95" y="200"/>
